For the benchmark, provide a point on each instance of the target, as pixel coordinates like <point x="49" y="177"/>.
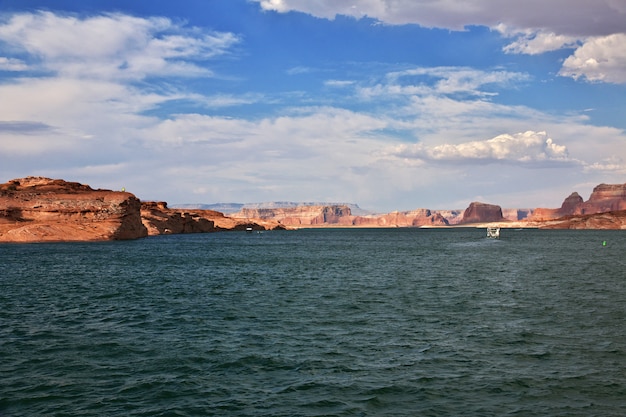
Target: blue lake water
<point x="329" y="322"/>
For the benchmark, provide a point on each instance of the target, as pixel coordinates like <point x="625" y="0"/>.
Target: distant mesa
<point x="230" y="208"/>
<point x="482" y="213"/>
<point x="341" y="216"/>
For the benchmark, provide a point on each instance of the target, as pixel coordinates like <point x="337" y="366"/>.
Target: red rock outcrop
<point x="482" y="213"/>
<point x="300" y="215"/>
<point x="159" y="219"/>
<point x="609" y="221"/>
<point x="605" y="197"/>
<point x="340" y="216"/>
<point x="571" y="205"/>
<point x="38" y="209"/>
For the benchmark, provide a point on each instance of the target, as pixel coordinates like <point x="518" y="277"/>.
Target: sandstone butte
<point x="37" y="209"/>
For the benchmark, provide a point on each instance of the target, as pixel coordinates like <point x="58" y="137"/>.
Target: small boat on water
<point x="493" y="232"/>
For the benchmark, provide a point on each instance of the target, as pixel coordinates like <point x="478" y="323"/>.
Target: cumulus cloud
<point x="599" y="59"/>
<point x="112" y="46"/>
<point x="527" y="148"/>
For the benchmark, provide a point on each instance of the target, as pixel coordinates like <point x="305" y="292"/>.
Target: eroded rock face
<point x="571" y="205"/>
<point x="300" y="215"/>
<point x="340" y="215"/>
<point x="482" y="213"/>
<point x="36" y="209"/>
<point x="614" y="220"/>
<point x="605" y="197"/>
<point x="159" y="219"/>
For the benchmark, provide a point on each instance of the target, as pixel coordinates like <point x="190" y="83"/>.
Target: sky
<point x="389" y="104"/>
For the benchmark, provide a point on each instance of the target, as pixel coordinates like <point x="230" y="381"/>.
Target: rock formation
<point x="300" y="215"/>
<point x="341" y="216"/>
<point x="482" y="213"/>
<point x="605" y="197"/>
<point x="571" y="205"/>
<point x="607" y="220"/>
<point x="38" y="209"/>
<point x="43" y="209"/>
<point x="159" y="219"/>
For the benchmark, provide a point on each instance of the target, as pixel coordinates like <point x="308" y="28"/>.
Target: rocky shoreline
<point x="39" y="209"/>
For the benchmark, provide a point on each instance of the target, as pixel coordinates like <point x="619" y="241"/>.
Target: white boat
<point x="493" y="232"/>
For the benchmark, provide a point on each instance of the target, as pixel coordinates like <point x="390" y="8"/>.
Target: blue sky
<point x="393" y="105"/>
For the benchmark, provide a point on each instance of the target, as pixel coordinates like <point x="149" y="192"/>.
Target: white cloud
<point x="113" y="45"/>
<point x="526" y="148"/>
<point x="599" y="59"/>
<point x="453" y="80"/>
<point x="534" y="42"/>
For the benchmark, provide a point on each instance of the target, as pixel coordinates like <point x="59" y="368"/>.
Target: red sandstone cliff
<point x="604" y="198"/>
<point x="37" y="209"/>
<point x="571" y="205"/>
<point x="43" y="209"/>
<point x="607" y="220"/>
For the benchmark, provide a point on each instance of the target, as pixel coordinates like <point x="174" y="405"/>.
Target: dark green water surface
<point x="355" y="322"/>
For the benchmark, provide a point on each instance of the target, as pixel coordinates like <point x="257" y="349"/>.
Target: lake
<point x="317" y="322"/>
